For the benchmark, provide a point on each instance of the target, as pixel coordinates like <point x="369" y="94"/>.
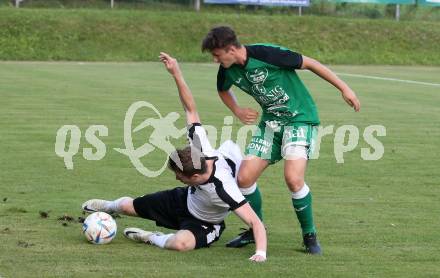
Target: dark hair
<point x="187" y="161"/>
<point x="220" y="37"/>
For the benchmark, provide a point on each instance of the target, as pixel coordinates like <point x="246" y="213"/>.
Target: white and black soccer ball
<point x="99" y="228"/>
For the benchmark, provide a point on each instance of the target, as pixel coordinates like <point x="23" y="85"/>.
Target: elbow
<point x="257" y="225"/>
<point x="191" y="109"/>
<point x="310" y="64"/>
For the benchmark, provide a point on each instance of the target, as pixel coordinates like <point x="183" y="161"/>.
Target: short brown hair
<point x="187" y="161"/>
<point x="220" y="37"/>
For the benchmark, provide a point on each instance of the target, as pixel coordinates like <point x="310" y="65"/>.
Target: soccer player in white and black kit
<point x="197" y="211"/>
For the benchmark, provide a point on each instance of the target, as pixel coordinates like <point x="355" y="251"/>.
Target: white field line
<point x="216" y="65"/>
<point x="352" y="75"/>
<point x="388" y="79"/>
<point x="360" y="76"/>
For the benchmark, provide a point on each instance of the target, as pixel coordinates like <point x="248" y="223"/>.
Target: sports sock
<point x="159" y="240"/>
<point x="302" y="203"/>
<point x="115" y="206"/>
<point x="253" y="196"/>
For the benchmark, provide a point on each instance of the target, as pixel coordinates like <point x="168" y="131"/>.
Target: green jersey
<point x="269" y="76"/>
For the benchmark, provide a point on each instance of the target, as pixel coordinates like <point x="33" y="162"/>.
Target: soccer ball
<point x="99" y="228"/>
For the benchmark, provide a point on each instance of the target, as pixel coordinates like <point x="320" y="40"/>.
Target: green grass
<point x="375" y="218"/>
<point x="138" y="35"/>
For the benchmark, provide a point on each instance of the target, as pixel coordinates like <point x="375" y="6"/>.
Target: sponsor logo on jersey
<point x="257" y="76"/>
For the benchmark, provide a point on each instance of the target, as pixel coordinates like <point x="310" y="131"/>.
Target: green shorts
<point x="269" y="141"/>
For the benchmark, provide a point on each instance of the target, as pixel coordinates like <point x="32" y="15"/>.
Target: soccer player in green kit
<point x="289" y="122"/>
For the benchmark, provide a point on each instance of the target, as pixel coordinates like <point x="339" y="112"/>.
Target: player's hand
<point x="247" y="115"/>
<point x="351" y="99"/>
<point x="258" y="258"/>
<point x="170" y="63"/>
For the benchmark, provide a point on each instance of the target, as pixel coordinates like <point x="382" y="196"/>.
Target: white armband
<point x="261" y="253"/>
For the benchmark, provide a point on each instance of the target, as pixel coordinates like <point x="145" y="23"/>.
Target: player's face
<point x="187" y="180"/>
<point x="224" y="56"/>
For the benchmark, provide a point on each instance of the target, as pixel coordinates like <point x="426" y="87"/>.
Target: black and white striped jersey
<point x="212" y="201"/>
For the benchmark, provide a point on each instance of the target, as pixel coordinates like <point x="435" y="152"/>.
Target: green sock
<point x="256" y="202"/>
<point x="304" y="213"/>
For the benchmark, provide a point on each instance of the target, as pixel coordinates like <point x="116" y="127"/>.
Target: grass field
<point x="375" y="218"/>
<point x="138" y="35"/>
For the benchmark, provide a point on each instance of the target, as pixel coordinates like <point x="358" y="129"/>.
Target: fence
<point x="425" y="9"/>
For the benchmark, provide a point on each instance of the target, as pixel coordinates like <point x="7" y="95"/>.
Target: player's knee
<point x="182" y="245"/>
<point x="295" y="183"/>
<point x="126" y="205"/>
<point x="244" y="180"/>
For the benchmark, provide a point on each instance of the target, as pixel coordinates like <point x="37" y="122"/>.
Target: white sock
<point x="159" y="240"/>
<point x="115" y="206"/>
<point x="301" y="193"/>
<point x="249" y="190"/>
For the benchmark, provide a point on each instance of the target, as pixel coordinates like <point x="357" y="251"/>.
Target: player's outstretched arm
<point x="186" y="97"/>
<point x="245" y="115"/>
<point x="247" y="214"/>
<point x="326" y="74"/>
